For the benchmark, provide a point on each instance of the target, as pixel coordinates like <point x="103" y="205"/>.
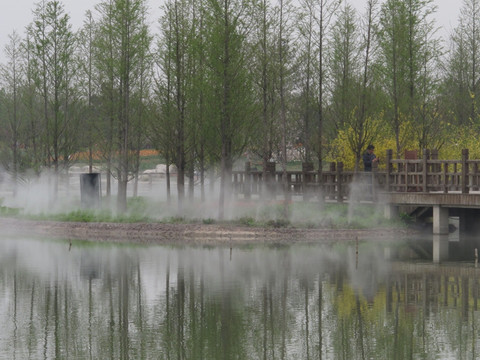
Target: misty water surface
<point x="261" y="302"/>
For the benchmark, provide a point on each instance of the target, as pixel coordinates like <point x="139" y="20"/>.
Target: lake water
<point x="344" y="301"/>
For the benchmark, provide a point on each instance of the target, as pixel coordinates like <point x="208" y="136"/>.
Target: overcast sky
<point x="16" y="14"/>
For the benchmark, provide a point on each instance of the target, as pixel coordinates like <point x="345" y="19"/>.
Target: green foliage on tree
<point x="123" y="44"/>
<point x="52" y="49"/>
<point x="304" y="81"/>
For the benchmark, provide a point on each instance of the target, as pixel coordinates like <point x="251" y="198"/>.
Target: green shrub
<point x="406" y="218"/>
<point x="247" y="221"/>
<point x="176" y="220"/>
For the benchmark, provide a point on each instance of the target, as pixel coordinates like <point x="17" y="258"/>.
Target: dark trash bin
<point x="90" y="190"/>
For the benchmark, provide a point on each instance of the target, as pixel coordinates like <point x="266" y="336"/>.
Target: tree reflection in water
<point x="257" y="302"/>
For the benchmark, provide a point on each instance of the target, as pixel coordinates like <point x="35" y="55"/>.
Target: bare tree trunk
<point x="283" y="116"/>
<point x="225" y="115"/>
<point x="363" y="99"/>
<point x="167" y="176"/>
<point x="202" y="173"/>
<point x="137" y="170"/>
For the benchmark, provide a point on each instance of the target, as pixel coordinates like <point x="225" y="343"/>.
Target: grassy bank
<point x="251" y="214"/>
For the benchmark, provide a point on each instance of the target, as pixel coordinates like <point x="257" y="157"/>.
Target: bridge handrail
<point x="427" y="174"/>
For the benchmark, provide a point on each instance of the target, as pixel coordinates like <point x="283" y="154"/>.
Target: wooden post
<point x="426" y="155"/>
<point x="457" y="178"/>
<point x="475" y="176"/>
<point x="247" y="191"/>
<point x="415" y="168"/>
<point x="465" y="187"/>
<point x="340" y="182"/>
<point x="389" y="170"/>
<point x="373" y="181"/>
<point x="434" y="169"/>
<point x="445" y="177"/>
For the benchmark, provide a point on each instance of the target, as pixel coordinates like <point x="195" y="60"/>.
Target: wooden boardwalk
<point x="423" y="181"/>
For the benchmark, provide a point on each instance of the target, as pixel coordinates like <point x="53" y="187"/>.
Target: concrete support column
<point x="390" y="211"/>
<point x="440" y="248"/>
<point x="440" y="220"/>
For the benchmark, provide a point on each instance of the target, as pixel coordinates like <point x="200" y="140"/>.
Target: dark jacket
<point x="367" y="160"/>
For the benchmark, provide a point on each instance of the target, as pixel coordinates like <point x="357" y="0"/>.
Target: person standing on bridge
<point x="369" y="158"/>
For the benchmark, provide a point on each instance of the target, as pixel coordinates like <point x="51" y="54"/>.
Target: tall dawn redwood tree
<point x="88" y="85"/>
<point x="344" y="67"/>
<point x="283" y="69"/>
<point x="266" y="73"/>
<point x="306" y="27"/>
<point x="355" y="95"/>
<point x="12" y="80"/>
<point x="123" y="25"/>
<point x="324" y="12"/>
<point x="226" y="26"/>
<point x="177" y="36"/>
<point x="404" y="38"/>
<point x="463" y="65"/>
<point x="52" y="50"/>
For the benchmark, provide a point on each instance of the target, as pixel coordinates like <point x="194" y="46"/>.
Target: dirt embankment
<point x="158" y="233"/>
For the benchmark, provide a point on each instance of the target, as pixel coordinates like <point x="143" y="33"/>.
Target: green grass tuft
<point x="9" y="212"/>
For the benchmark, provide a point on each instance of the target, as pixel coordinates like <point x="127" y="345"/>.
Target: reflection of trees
<point x="267" y="304"/>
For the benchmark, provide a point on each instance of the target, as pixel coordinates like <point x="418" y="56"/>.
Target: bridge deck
<point x="451" y="199"/>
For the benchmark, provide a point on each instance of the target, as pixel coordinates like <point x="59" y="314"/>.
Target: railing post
<point x="373" y="180"/>
<point x="445" y="177"/>
<point x="426" y="156"/>
<point x="465" y="187"/>
<point x="435" y="169"/>
<point x="340" y="182"/>
<point x="474" y="176"/>
<point x="388" y="180"/>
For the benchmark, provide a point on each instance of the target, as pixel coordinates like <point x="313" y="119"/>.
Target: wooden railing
<point x="334" y="184"/>
<point x="427" y="174"/>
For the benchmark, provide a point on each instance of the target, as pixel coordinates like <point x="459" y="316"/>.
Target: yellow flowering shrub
<point x="459" y="138"/>
<point x="341" y="150"/>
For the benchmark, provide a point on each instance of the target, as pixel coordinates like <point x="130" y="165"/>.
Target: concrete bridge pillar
<point x="440" y="248"/>
<point x="390" y="211"/>
<point x="440" y="220"/>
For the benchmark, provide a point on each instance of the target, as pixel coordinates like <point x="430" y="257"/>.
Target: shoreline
<point x="178" y="234"/>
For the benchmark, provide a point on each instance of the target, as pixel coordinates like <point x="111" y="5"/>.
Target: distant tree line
<point x="223" y="77"/>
